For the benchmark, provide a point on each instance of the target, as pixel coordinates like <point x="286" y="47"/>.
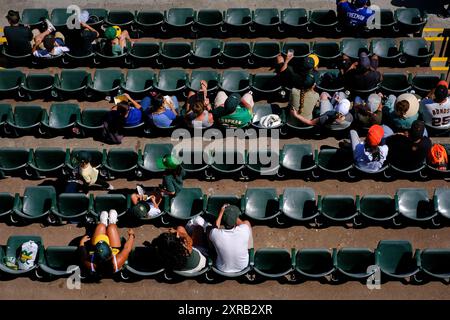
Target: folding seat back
<point x="6" y="113"/>
<point x="352" y="47"/>
<point x="119" y="18"/>
<point x="328" y="52"/>
<point x="386" y="49"/>
<point x="273" y="262"/>
<point x="297" y="157"/>
<point x="353" y="262"/>
<point x="216" y="201"/>
<point x="260" y="110"/>
<point x="395" y="83"/>
<point x="180" y="17"/>
<point x="95" y="157"/>
<point x="11" y="80"/>
<point x="410" y="20"/>
<point x="423" y="83"/>
<point x="323" y="21"/>
<point x="435" y="262"/>
<point x="301" y="49"/>
<point x="195" y="160"/>
<point x="238" y="17"/>
<point x="144" y="51"/>
<point x="139" y="80"/>
<point x="396" y="258"/>
<point x="72" y="205"/>
<point x="294" y="17"/>
<point x="13" y="158"/>
<point x="299" y="203"/>
<point x="149" y="19"/>
<point x="93" y="118"/>
<point x="6" y="203"/>
<point x="377" y="207"/>
<point x="188" y="203"/>
<point x="171" y="81"/>
<point x="58" y="259"/>
<point x="120" y="160"/>
<point x="236" y="50"/>
<point x="227" y="161"/>
<point x="414" y="203"/>
<point x="387" y="19"/>
<point x="266" y="86"/>
<point x="315" y="263"/>
<point x="33" y="17"/>
<point x="261" y="203"/>
<point x="337" y="208"/>
<point x="27" y="117"/>
<point x="265" y="20"/>
<point x="207" y="48"/>
<point x="441" y="199"/>
<point x="235" y="81"/>
<point x="63" y="115"/>
<point x="96" y="16"/>
<point x="151" y="160"/>
<point x="72" y="80"/>
<point x="106" y="202"/>
<point x="176" y="52"/>
<point x="107" y="80"/>
<point x="37" y="201"/>
<point x="208" y="18"/>
<point x="333" y="160"/>
<point x="265" y="52"/>
<point x="263" y="161"/>
<point x="48" y="159"/>
<point x="59" y="18"/>
<point x="210" y="76"/>
<point x="416" y="51"/>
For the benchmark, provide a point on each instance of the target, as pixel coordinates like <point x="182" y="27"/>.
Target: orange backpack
<point x="437" y="157"/>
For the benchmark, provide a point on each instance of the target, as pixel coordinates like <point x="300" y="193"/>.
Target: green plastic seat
<point x="353" y="262"/>
<point x="410" y="20"/>
<point x="33" y="17"/>
<point x="206" y="51"/>
<point x="91" y="121"/>
<point x="264" y="53"/>
<point x="120" y="161"/>
<point x="387" y="21"/>
<point x="352" y="47"/>
<point x="227" y="161"/>
<point x="234" y="275"/>
<point x="337" y="208"/>
<point x="377" y="208"/>
<point x="61" y="118"/>
<point x="172" y="81"/>
<point x="58" y="260"/>
<point x="153" y="153"/>
<point x="273" y="263"/>
<point x="37" y="86"/>
<point x="120" y="18"/>
<point x="328" y="52"/>
<point x="106" y="81"/>
<point x="178" y="20"/>
<point x="6" y="204"/>
<point x="263" y="109"/>
<point x="188" y="203"/>
<point x="395" y="83"/>
<point x="266" y="20"/>
<point x="12" y="249"/>
<point x="194" y="161"/>
<point x="301" y="50"/>
<point x="265" y="86"/>
<point x="104" y="58"/>
<point x="236" y="53"/>
<point x="209" y="75"/>
<point x="208" y="21"/>
<point x="237" y="19"/>
<point x="97" y="17"/>
<point x="294" y="19"/>
<point x="13" y="160"/>
<point x="47" y="161"/>
<point x="106" y="202"/>
<point x="76" y="60"/>
<point x="216" y="201"/>
<point x="263" y="162"/>
<point x="26" y="118"/>
<point x="144" y="53"/>
<point x="6" y="113"/>
<point x="176" y="52"/>
<point x="396" y="258"/>
<point x="149" y="21"/>
<point x="13" y="60"/>
<point x="333" y="160"/>
<point x="95" y="157"/>
<point x="416" y="52"/>
<point x="324" y="21"/>
<point x="10" y="81"/>
<point x="297" y="158"/>
<point x="315" y="263"/>
<point x="261" y="204"/>
<point x="441" y="199"/>
<point x="71" y="206"/>
<point x="142" y="262"/>
<point x="235" y="81"/>
<point x="299" y="204"/>
<point x="35" y="204"/>
<point x="414" y="204"/>
<point x="72" y="82"/>
<point x="59" y="18"/>
<point x="386" y="49"/>
<point x="423" y="83"/>
<point x="435" y="263"/>
<point x="138" y="81"/>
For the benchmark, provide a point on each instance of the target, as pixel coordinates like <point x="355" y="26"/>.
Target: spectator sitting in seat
<point x="408" y="150"/>
<point x="362" y="74"/>
<point x="146" y="205"/>
<point x="295" y="76"/>
<point x="82" y="40"/>
<point x="164" y="111"/>
<point x="401" y="111"/>
<point x="232" y="238"/>
<point x="18" y="36"/>
<point x="173" y="177"/>
<point x="118" y="41"/>
<point x="233" y="111"/>
<point x="356" y="14"/>
<point x="131" y="110"/>
<point x="90" y="174"/>
<point x="369" y="112"/>
<point x="201" y="116"/>
<point x="105" y="255"/>
<point x="47" y="45"/>
<point x="435" y="109"/>
<point x="304" y="101"/>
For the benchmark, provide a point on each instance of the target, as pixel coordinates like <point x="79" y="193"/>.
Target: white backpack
<point x="28" y="254"/>
<point x="270" y="121"/>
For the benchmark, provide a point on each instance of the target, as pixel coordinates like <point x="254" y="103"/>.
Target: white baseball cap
<point x="343" y="107"/>
<point x="373" y="102"/>
<point x="84" y="16"/>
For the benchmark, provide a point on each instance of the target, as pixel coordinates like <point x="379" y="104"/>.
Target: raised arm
<point x="122" y="256"/>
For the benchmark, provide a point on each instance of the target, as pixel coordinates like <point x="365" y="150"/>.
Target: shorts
<point x="201" y="264"/>
<point x="104" y="237"/>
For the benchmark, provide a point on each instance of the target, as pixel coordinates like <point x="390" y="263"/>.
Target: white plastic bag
<point x="28" y="254"/>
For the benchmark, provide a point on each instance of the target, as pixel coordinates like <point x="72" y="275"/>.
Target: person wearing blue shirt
<point x="164" y="111"/>
<point x="133" y="113"/>
<point x="354" y="15"/>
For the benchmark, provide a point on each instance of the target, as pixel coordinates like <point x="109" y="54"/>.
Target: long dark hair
<point x="171" y="250"/>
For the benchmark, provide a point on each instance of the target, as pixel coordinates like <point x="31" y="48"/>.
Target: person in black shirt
<point x="17" y="35"/>
<point x="363" y="74"/>
<point x="81" y="41"/>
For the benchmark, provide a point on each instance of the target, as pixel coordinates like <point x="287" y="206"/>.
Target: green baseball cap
<point x="230" y="216"/>
<point x="140" y="210"/>
<point x="232" y="102"/>
<point x="103" y="251"/>
<point x="110" y="33"/>
<point x="168" y="162"/>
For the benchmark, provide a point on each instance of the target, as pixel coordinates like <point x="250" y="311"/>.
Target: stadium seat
<point x="395" y="83"/>
<point x="13" y="161"/>
<point x="171" y="81"/>
<point x="337" y="208"/>
<point x="13" y="245"/>
<point x="197" y="161"/>
<point x="46" y="161"/>
<point x="294" y="126"/>
<point x="59" y="261"/>
<point x="187" y="203"/>
<point x="13" y="61"/>
<point x="6" y="204"/>
<point x="179" y="20"/>
<point x="273" y="263"/>
<point x="35" y="204"/>
<point x="333" y="161"/>
<point x="235" y="81"/>
<point x="441" y="199"/>
<point x="416" y="52"/>
<point x="208" y="21"/>
<point x="423" y="83"/>
<point x="10" y="82"/>
<point x="301" y="50"/>
<point x="261" y="204"/>
<point x="388" y="22"/>
<point x="70" y="207"/>
<point x="233" y="275"/>
<point x="209" y="75"/>
<point x="264" y="53"/>
<point x="315" y="263"/>
<point x="216" y="201"/>
<point x="6" y="114"/>
<point x="141" y="263"/>
<point x="236" y="53"/>
<point x="414" y="204"/>
<point x="106" y="202"/>
<point x="435" y="263"/>
<point x="175" y="53"/>
<point x="328" y="53"/>
<point x="377" y="208"/>
<point x="410" y="20"/>
<point x="97" y="17"/>
<point x="396" y="258"/>
<point x="103" y="58"/>
<point x="91" y="121"/>
<point x="323" y="21"/>
<point x="138" y="82"/>
<point x="352" y="47"/>
<point x="353" y="262"/>
<point x="237" y="20"/>
<point x="95" y="157"/>
<point x="33" y="17"/>
<point x="120" y="18"/>
<point x="296" y="159"/>
<point x="387" y="51"/>
<point x="261" y="110"/>
<point x="294" y="20"/>
<point x="221" y="165"/>
<point x="266" y="86"/>
<point x="144" y="53"/>
<point x="37" y="86"/>
<point x="206" y="52"/>
<point x="62" y="117"/>
<point x="299" y="204"/>
<point x="259" y="162"/>
<point x="26" y="119"/>
<point x="59" y="18"/>
<point x="106" y="82"/>
<point x="265" y="20"/>
<point x="150" y="160"/>
<point x="120" y="162"/>
<point x="188" y="274"/>
<point x="70" y="83"/>
<point x="149" y="22"/>
<point x="70" y="59"/>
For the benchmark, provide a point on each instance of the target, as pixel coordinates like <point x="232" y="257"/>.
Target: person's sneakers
<point x="112" y="216"/>
<point x="140" y="190"/>
<point x="50" y="26"/>
<point x="110" y="187"/>
<point x="104" y="218"/>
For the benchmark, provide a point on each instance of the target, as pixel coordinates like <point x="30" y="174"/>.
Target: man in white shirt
<point x="231" y="238"/>
<point x="435" y="108"/>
